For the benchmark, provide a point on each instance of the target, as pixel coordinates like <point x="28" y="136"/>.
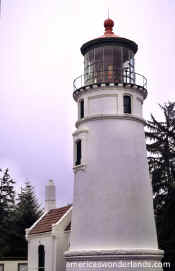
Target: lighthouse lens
<point x="109" y="63"/>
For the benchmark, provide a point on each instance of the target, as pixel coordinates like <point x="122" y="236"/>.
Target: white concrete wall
<point x="62" y="240"/>
<point x="50" y="196"/>
<point x="110" y="101"/>
<point x="112" y="194"/>
<point x="102" y="104"/>
<point x="33" y="243"/>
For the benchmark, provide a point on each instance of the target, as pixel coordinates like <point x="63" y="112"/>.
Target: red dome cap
<point x="108" y="24"/>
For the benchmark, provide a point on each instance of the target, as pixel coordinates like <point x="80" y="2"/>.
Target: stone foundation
<point x="134" y="260"/>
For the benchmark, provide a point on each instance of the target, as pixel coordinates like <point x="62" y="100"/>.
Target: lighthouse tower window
<point x="81" y="109"/>
<point x="127" y="104"/>
<point x="78" y="153"/>
<point x="41" y="258"/>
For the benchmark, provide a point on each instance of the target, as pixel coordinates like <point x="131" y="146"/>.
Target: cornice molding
<point x="80" y="132"/>
<point x="110" y="116"/>
<point x="79" y="167"/>
<point x="104" y="86"/>
<point x="127" y="254"/>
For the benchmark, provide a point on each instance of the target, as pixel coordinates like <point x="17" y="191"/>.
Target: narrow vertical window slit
<point x="127" y="104"/>
<point x="82" y="109"/>
<point x="78" y="152"/>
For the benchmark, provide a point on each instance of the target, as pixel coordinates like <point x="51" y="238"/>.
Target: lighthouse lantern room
<point x="109" y="59"/>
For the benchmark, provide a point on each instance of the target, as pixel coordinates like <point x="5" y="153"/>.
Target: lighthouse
<point x="112" y="217"/>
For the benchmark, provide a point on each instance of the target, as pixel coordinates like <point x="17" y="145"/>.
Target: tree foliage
<point x="161" y="149"/>
<point x="166" y="223"/>
<point x="27" y="212"/>
<point x="7" y="193"/>
<point x="7" y="209"/>
<point x="160" y="137"/>
<point x="15" y="216"/>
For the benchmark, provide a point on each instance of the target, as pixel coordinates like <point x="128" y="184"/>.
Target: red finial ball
<point x="108" y="24"/>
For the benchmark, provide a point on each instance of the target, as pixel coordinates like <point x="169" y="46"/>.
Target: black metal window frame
<point x="21" y="265"/>
<point x="127" y="104"/>
<point x="81" y="108"/>
<point x="41" y="258"/>
<point x="78" y="147"/>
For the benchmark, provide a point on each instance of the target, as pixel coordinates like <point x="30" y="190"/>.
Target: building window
<point x="41" y="258"/>
<point x="81" y="109"/>
<point x="22" y="267"/>
<point x="1" y="267"/>
<point x="78" y="152"/>
<point x="127" y="104"/>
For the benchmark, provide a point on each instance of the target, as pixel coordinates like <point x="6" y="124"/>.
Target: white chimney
<point x="50" y="196"/>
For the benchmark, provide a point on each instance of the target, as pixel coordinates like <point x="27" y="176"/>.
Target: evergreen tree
<point x="161" y="150"/>
<point x="27" y="212"/>
<point x="166" y="229"/>
<point x="15" y="217"/>
<point x="166" y="224"/>
<point x="7" y="207"/>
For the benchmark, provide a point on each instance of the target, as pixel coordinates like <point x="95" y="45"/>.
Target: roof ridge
<point x="69" y="205"/>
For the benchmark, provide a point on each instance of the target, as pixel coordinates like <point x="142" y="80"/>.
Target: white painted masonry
<point x="109" y="100"/>
<point x="50" y="196"/>
<point x="115" y="178"/>
<point x="113" y="216"/>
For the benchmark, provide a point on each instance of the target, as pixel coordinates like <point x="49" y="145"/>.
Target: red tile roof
<point x="52" y="217"/>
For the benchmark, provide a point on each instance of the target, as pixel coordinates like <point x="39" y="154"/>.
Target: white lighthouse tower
<point x="113" y="216"/>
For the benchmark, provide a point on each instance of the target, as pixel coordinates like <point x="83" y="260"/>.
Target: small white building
<point x="48" y="237"/>
<point x="13" y="264"/>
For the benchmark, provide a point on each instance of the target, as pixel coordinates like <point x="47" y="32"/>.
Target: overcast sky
<point x="39" y="58"/>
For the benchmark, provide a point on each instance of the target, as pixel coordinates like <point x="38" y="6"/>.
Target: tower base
<point x="127" y="260"/>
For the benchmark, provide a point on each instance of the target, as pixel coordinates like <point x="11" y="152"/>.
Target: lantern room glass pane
<point x="85" y="61"/>
<point x="99" y="61"/>
<point x="128" y="66"/>
<point x="98" y="55"/>
<point x="89" y="67"/>
<point x="125" y="62"/>
<point x="86" y="66"/>
<point x="91" y="57"/>
<point x="117" y="60"/>
<point x="108" y="57"/>
<point x="117" y="64"/>
<point x="109" y="63"/>
<point x="131" y="64"/>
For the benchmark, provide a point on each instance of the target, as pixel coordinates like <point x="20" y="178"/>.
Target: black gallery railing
<point x="116" y="76"/>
